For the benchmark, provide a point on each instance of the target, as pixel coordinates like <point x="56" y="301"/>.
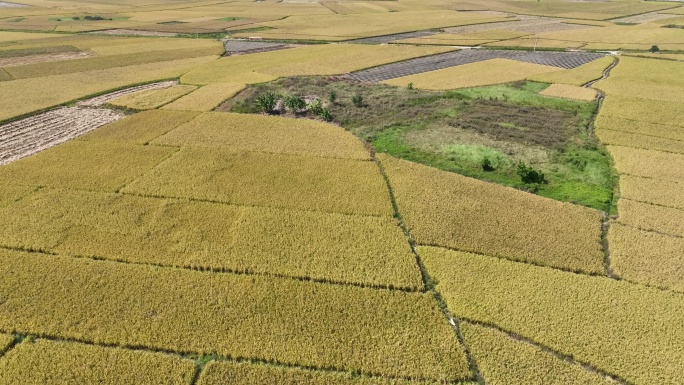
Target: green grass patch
<point x="483" y="132"/>
<point x="230" y="18"/>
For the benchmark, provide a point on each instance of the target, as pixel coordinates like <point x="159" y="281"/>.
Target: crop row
<point x="345" y="328"/>
<point x="451" y="210"/>
<point x="606" y="323"/>
<point x="53" y="363"/>
<point x="336" y="247"/>
<point x="503" y="360"/>
<point x="206" y="98"/>
<point x="647" y="257"/>
<point x="151" y="99"/>
<point x="274" y="180"/>
<point x="243" y="132"/>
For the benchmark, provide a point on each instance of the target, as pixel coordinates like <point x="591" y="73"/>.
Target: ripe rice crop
<point x="206" y="98"/>
<point x="644" y="110"/>
<point x="54" y="363"/>
<point x="222" y="372"/>
<point x="286" y="181"/>
<point x="647" y="257"/>
<point x="140" y="128"/>
<point x="7" y="36"/>
<point x="4" y="75"/>
<point x="10" y="193"/>
<point x="648" y="163"/>
<point x="105" y="62"/>
<point x="19" y="96"/>
<point x="576" y="76"/>
<point x="483" y="73"/>
<point x="127" y="45"/>
<point x="620" y="37"/>
<point x="656" y="191"/>
<point x="604" y="122"/>
<point x="503" y="360"/>
<point x="446" y="209"/>
<point x="345" y="328"/>
<point x="310" y="60"/>
<point x="342" y="248"/>
<point x="95" y="166"/>
<point x="606" y="323"/>
<point x="151" y="99"/>
<point x="648" y="142"/>
<point x="647" y="79"/>
<point x="569" y="92"/>
<point x="245" y="132"/>
<point x="6" y="341"/>
<point x="651" y="217"/>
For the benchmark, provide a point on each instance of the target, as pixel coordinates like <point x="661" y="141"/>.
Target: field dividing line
<point x="546" y="349"/>
<point x="168" y="158"/>
<point x="453" y="321"/>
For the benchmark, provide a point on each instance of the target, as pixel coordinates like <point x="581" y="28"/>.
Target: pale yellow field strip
<point x="651" y="217"/>
<point x="644" y="110"/>
<point x="576" y="76"/>
<point x="656" y="191"/>
<point x="627" y="139"/>
<point x="606" y="323"/>
<point x="244" y="132"/>
<point x="621" y="125"/>
<point x="494" y="71"/>
<point x="646" y="79"/>
<point x="286" y="181"/>
<point x="647" y="257"/>
<point x="648" y="163"/>
<point x="151" y="99"/>
<point x="450" y="210"/>
<point x="567" y="91"/>
<point x="278" y="320"/>
<point x="206" y="98"/>
<point x="53" y="363"/>
<point x="503" y="360"/>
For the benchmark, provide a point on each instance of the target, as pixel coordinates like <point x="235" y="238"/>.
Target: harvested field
<point x="569" y="92"/>
<point x="6" y="4"/>
<point x="606" y="323"/>
<point x="524" y="23"/>
<point x="28" y="136"/>
<point x="446" y="209"/>
<point x="33" y="59"/>
<point x="236" y="47"/>
<point x="647" y="257"/>
<point x="133" y="32"/>
<point x="270" y="319"/>
<point x="452" y="59"/>
<point x="391" y="38"/>
<point x="54" y="363"/>
<point x="106" y="98"/>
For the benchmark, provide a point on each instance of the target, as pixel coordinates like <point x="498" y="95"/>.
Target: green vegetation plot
<point x="483" y="132"/>
<point x="269" y="319"/>
<point x="53" y="363"/>
<point x="606" y="323"/>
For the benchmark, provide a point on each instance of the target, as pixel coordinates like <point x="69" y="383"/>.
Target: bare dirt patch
<point x="7" y="4"/>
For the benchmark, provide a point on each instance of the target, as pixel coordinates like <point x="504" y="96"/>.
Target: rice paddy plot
<point x="151" y="99"/>
<point x="140" y="128"/>
<point x="206" y="98"/>
<point x="344" y="328"/>
<point x="596" y="320"/>
<point x="36" y="133"/>
<point x="651" y="79"/>
<point x="605" y="123"/>
<point x="566" y="60"/>
<point x="648" y="142"/>
<point x="450" y="210"/>
<point x="54" y="362"/>
<point x="390" y="38"/>
<point x="577" y="76"/>
<point x="242" y="132"/>
<point x="234" y="47"/>
<point x="651" y="217"/>
<point x="103" y="99"/>
<point x="275" y="180"/>
<point x="648" y="163"/>
<point x="567" y="91"/>
<point x="94" y="166"/>
<point x="660" y="192"/>
<point x="657" y="112"/>
<point x="647" y="257"/>
<point x="6" y="341"/>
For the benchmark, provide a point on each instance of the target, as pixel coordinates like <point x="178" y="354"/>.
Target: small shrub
<point x="316" y="107"/>
<point x="326" y="115"/>
<point x="357" y="99"/>
<point x="332" y="96"/>
<point x="487" y="164"/>
<point x="410" y="86"/>
<point x="529" y="175"/>
<point x="295" y="103"/>
<point x="267" y="102"/>
<point x="654" y="49"/>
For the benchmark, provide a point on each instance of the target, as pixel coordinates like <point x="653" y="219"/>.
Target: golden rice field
<point x="444" y="209"/>
<point x="647" y="257"/>
<point x="329" y="326"/>
<point x="576" y="76"/>
<point x="484" y="73"/>
<point x="185" y="245"/>
<point x="241" y="132"/>
<point x="151" y="99"/>
<point x="597" y="321"/>
<point x="503" y="360"/>
<point x="52" y="362"/>
<point x="567" y="91"/>
<point x="205" y="98"/>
